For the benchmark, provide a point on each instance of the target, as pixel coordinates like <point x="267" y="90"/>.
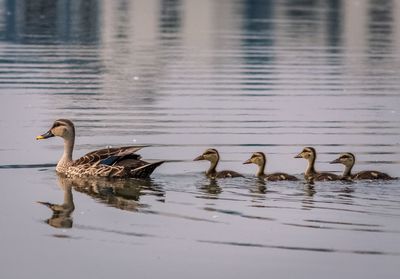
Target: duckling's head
<point x="61" y="128"/>
<point x="257" y="158"/>
<point x="308" y="153"/>
<point x="347" y="159"/>
<point x="210" y="154"/>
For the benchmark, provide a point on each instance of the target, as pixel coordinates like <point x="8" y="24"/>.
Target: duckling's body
<point x="348" y="160"/>
<point x="120" y="162"/>
<point x="260" y="160"/>
<point x="311" y="174"/>
<point x="212" y="155"/>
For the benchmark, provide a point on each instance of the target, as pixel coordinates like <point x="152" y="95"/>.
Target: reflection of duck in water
<point x="123" y="194"/>
<point x="348" y="160"/>
<point x="212" y="155"/>
<point x="61" y="217"/>
<point x="260" y="160"/>
<point x="260" y="187"/>
<point x="311" y="174"/>
<point x="211" y="187"/>
<point x="120" y="162"/>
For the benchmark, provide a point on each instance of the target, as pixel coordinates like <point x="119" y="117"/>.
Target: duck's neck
<point x="213" y="168"/>
<point x="66" y="159"/>
<point x="310" y="168"/>
<point x="347" y="170"/>
<point x="68" y="200"/>
<point x="261" y="169"/>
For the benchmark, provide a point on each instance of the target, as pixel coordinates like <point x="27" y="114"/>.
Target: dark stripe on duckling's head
<point x="210" y="151"/>
<point x="345" y="159"/>
<point x="309" y="150"/>
<point x="260" y="155"/>
<point x="306" y="153"/>
<point x="257" y="158"/>
<point x="210" y="154"/>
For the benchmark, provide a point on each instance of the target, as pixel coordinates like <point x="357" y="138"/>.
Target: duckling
<point x="212" y="155"/>
<point x="311" y="174"/>
<point x="260" y="160"/>
<point x="348" y="160"/>
<point x="117" y="162"/>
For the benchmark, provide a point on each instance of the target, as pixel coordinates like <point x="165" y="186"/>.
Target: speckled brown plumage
<point x="260" y="160"/>
<point x="212" y="155"/>
<point x="116" y="162"/>
<point x="348" y="160"/>
<point x="311" y="174"/>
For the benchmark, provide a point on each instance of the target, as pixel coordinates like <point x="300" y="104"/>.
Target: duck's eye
<point x="57" y="124"/>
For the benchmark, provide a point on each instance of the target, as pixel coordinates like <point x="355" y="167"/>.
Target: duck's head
<point x="257" y="158"/>
<point x="347" y="159"/>
<point x="210" y="154"/>
<point x="61" y="128"/>
<point x="308" y="153"/>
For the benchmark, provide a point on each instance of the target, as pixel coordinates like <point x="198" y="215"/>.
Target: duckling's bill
<point x="199" y="158"/>
<point x="299" y="155"/>
<point x="247" y="162"/>
<point x="336" y="161"/>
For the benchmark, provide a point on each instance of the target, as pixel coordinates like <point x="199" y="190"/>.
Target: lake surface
<point x="183" y="76"/>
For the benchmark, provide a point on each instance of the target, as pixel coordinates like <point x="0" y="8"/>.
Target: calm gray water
<point x="182" y="76"/>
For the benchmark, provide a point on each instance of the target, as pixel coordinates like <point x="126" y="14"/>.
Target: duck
<point x="311" y="174"/>
<point x="348" y="160"/>
<point x="112" y="162"/>
<point x="260" y="160"/>
<point x="212" y="155"/>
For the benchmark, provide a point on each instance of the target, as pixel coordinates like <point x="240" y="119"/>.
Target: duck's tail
<point x="145" y="171"/>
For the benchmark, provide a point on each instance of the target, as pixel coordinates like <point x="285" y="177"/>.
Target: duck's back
<point x="325" y="176"/>
<point x="120" y="162"/>
<point x="278" y="176"/>
<point x="227" y="174"/>
<point x="371" y="175"/>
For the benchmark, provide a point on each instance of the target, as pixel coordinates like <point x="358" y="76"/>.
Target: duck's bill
<point x="47" y="135"/>
<point x="298" y="156"/>
<point x="337" y="161"/>
<point x="199" y="158"/>
<point x="247" y="162"/>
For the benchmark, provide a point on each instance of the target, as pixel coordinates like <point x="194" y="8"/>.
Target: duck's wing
<point x="228" y="174"/>
<point x="108" y="156"/>
<point x="326" y="176"/>
<point x="144" y="171"/>
<point x="280" y="176"/>
<point x="372" y="175"/>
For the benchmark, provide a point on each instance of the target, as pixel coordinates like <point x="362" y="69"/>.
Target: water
<point x="182" y="76"/>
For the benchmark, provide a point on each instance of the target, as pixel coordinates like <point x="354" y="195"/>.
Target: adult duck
<point x="117" y="162"/>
